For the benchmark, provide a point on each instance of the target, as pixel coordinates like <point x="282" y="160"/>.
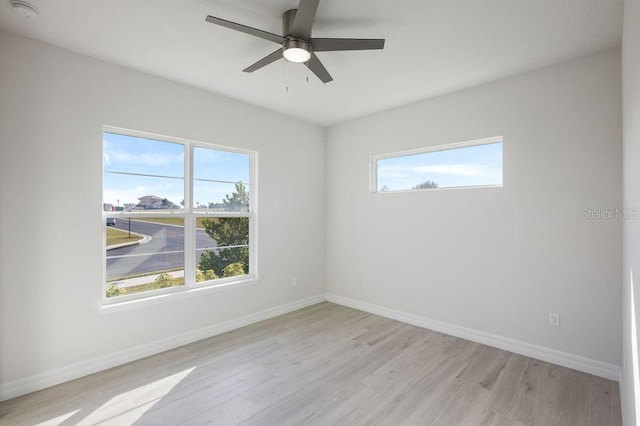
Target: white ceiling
<point x="433" y="46"/>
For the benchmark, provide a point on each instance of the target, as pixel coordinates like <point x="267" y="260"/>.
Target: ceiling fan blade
<point x="318" y="69"/>
<point x="247" y="30"/>
<point x="303" y="22"/>
<point x="334" y="44"/>
<point x="272" y="57"/>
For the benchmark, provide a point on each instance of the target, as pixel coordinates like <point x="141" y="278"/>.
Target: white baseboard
<point x="80" y="369"/>
<point x="565" y="359"/>
<point x="83" y="368"/>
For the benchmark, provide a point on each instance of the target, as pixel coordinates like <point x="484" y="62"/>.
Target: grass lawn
<point x="117" y="236"/>
<point x="175" y="220"/>
<point x="168" y="220"/>
<point x="150" y="286"/>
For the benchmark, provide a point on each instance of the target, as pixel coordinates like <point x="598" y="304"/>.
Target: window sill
<point x="169" y="297"/>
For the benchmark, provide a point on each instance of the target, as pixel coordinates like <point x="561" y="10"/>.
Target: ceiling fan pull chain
<point x="307" y="64"/>
<point x="286" y="76"/>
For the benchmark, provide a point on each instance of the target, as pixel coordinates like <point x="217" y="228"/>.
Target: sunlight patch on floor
<point x="128" y="407"/>
<point x="58" y="420"/>
<point x="148" y="395"/>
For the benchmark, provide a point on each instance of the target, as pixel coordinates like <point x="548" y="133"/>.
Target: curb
<point x="145" y="239"/>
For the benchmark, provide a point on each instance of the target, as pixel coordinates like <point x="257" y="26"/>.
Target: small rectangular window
<point x="462" y="165"/>
<point x="176" y="214"/>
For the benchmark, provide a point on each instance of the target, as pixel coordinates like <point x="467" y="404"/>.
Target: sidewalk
<point x="144" y="280"/>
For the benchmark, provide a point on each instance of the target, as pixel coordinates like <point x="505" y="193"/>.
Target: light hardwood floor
<point x="327" y="365"/>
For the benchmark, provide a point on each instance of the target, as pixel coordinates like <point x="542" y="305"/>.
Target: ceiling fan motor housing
<point x="294" y="49"/>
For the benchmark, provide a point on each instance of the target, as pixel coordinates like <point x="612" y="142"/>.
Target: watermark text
<point x="606" y="214"/>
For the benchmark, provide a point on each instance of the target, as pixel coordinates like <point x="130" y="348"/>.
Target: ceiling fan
<point x="297" y="44"/>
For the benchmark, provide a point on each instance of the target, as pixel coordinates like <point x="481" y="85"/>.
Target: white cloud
<point x="471" y="170"/>
<point x="385" y="172"/>
<point x="106" y="158"/>
<point x="146" y="159"/>
<point x="206" y="155"/>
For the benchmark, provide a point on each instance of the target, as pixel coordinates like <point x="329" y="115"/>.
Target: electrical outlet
<point x="554" y="319"/>
<point x="365" y="282"/>
<point x="294" y="281"/>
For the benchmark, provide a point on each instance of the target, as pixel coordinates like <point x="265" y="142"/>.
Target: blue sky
<point x="468" y="166"/>
<point x="128" y="154"/>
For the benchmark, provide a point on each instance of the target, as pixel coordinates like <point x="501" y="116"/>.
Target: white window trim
<point x="190" y="287"/>
<point x="373" y="163"/>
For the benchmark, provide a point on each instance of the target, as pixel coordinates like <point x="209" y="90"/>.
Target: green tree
<point x="427" y="184"/>
<point x="233" y="269"/>
<point x="228" y="231"/>
<point x="205" y="275"/>
<point x="114" y="290"/>
<point x="238" y="201"/>
<point x="231" y="235"/>
<point x="165" y="280"/>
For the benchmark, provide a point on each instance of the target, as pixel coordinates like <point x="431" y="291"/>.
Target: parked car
<point x="111" y="221"/>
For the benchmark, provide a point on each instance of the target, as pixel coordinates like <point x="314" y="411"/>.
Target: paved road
<point x="164" y="251"/>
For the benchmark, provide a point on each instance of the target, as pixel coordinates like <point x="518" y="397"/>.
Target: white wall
<point x="52" y="106"/>
<point x="631" y="228"/>
<point x="497" y="260"/>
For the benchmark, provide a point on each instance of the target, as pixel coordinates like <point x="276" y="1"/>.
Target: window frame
<point x="189" y="214"/>
<point x="373" y="163"/>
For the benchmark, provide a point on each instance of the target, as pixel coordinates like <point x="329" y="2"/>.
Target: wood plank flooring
<point x="327" y="365"/>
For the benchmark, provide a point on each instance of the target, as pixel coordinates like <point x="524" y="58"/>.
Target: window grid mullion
<point x="253" y="198"/>
<point x="142" y="174"/>
<point x="190" y="221"/>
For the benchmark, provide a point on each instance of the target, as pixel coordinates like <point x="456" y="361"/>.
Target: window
<point x="177" y="215"/>
<point x="468" y="164"/>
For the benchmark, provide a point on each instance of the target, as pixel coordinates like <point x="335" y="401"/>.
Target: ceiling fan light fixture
<point x="296" y="51"/>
